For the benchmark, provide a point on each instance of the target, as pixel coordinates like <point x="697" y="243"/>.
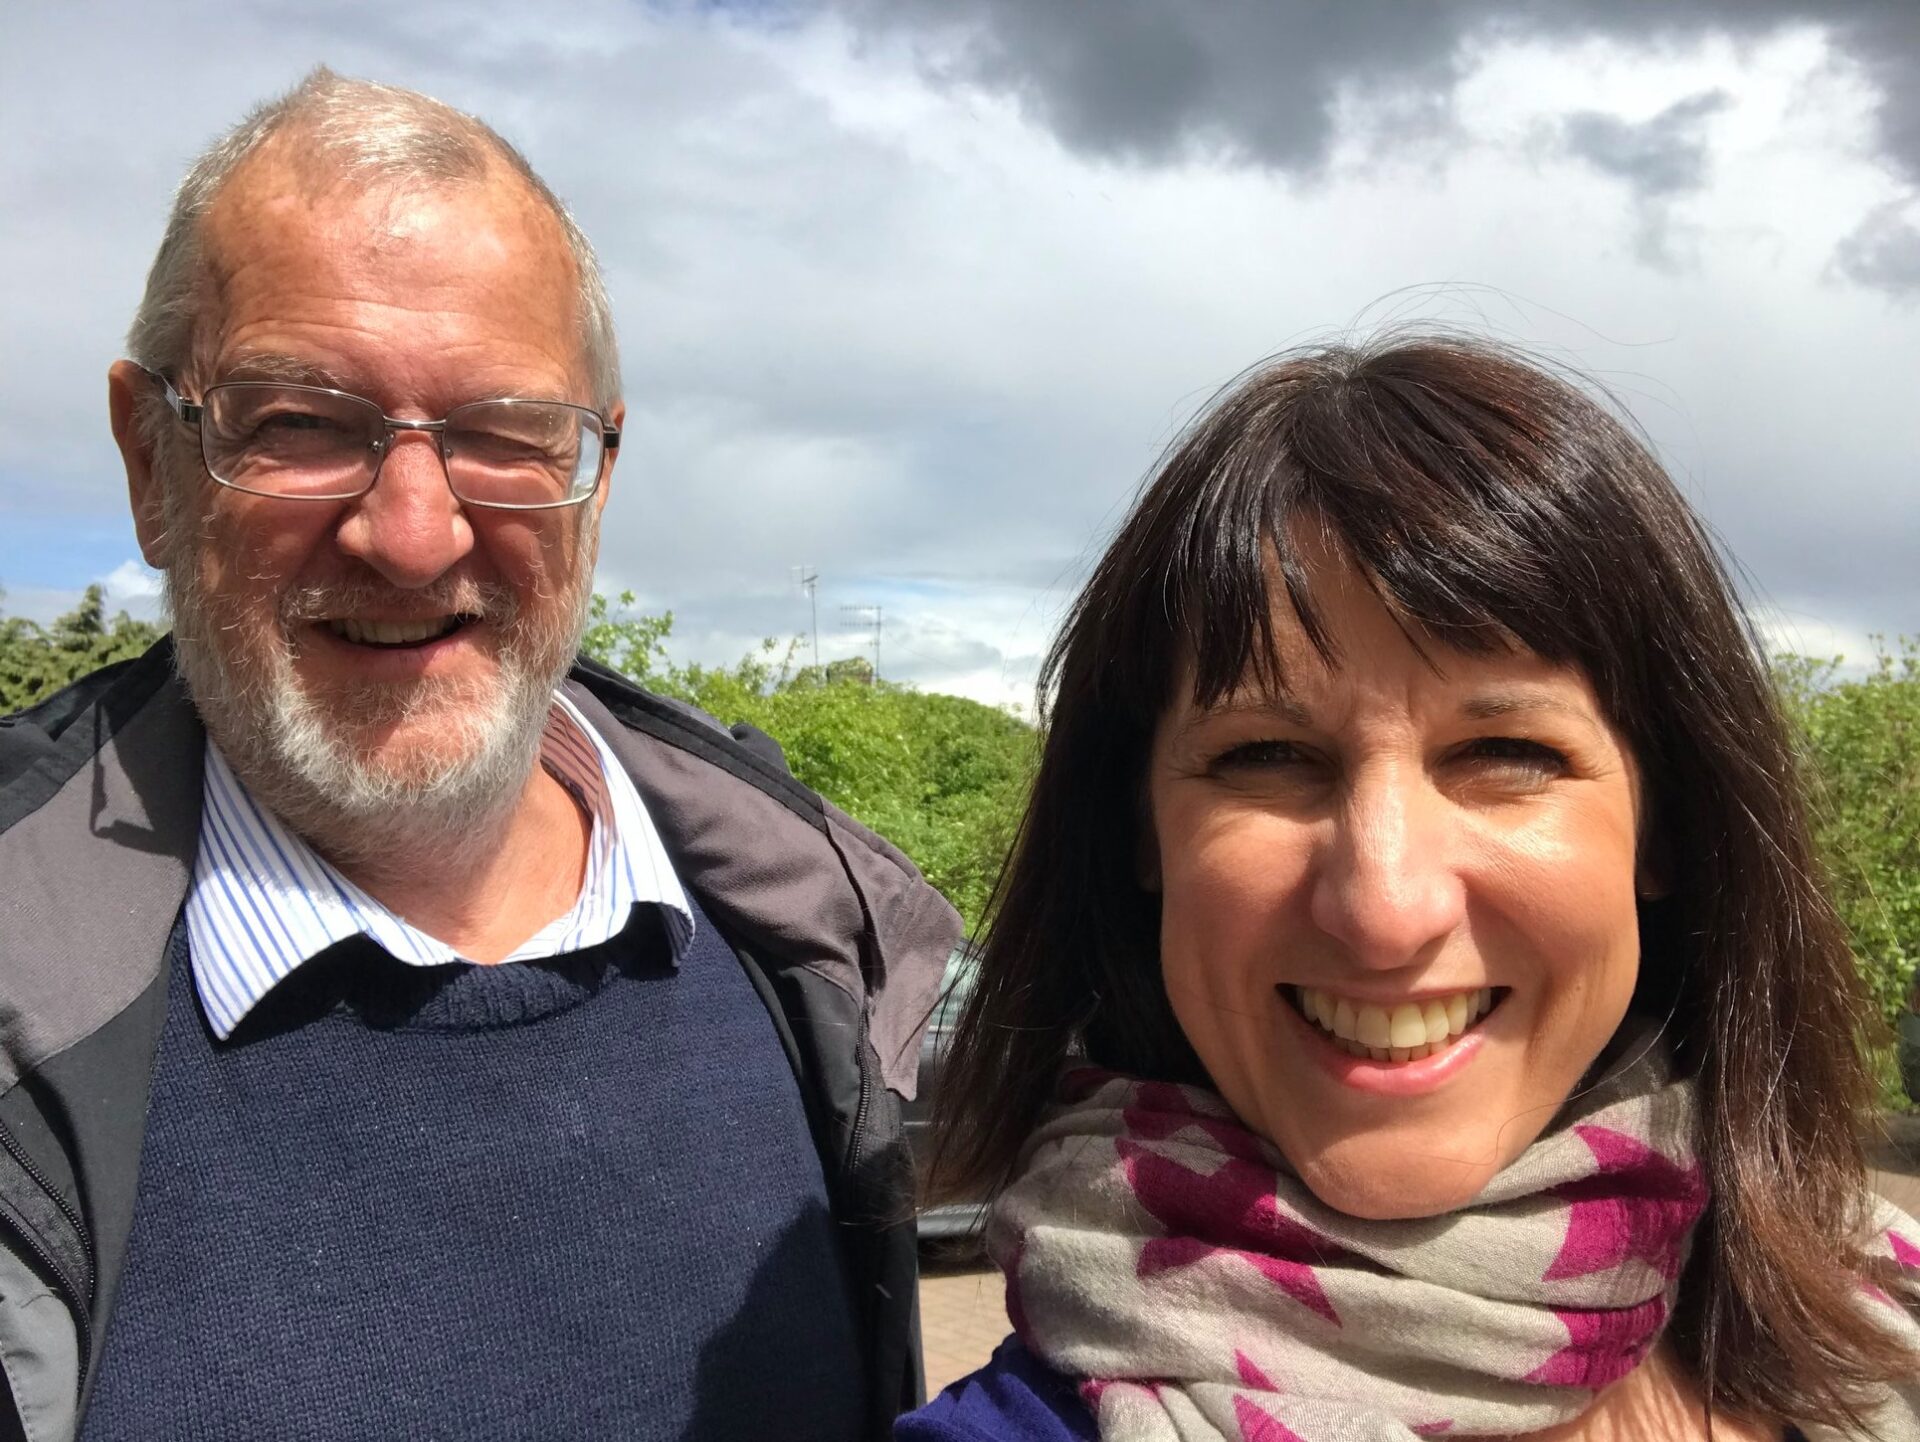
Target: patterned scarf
<point x="1161" y="1252"/>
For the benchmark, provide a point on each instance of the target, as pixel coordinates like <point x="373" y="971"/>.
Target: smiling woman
<point x="1411" y="870"/>
<point x="1411" y="1005"/>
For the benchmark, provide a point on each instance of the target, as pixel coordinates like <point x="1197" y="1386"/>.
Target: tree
<point x="617" y="636"/>
<point x="1861" y="743"/>
<point x="943" y="778"/>
<point x="36" y="661"/>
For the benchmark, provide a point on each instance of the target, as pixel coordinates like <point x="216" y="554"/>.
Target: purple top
<point x="1018" y="1398"/>
<point x="1014" y="1398"/>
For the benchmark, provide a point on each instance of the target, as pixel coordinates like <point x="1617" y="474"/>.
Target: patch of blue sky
<point x="62" y="551"/>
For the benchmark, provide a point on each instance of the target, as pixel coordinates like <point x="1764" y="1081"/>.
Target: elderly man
<point x="283" y="1151"/>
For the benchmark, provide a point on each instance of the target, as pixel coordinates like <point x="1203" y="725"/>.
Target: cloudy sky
<point x="914" y="292"/>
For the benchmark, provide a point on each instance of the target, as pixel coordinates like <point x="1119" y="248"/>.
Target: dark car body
<point x="951" y="1222"/>
<point x="1907" y="1034"/>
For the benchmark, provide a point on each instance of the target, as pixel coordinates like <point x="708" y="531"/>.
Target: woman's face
<point x="1398" y="917"/>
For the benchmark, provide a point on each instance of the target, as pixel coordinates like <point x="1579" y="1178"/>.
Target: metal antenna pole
<point x="809" y="579"/>
<point x="865" y="616"/>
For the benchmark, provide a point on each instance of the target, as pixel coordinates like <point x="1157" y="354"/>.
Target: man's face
<point x="395" y="651"/>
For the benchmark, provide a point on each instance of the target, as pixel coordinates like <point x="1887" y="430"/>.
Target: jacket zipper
<point x="857" y="1147"/>
<point x="79" y="1297"/>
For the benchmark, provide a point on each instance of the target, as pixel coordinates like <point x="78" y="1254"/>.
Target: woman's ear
<point x="1652" y="853"/>
<point x="1653" y="867"/>
<point x="1146" y="850"/>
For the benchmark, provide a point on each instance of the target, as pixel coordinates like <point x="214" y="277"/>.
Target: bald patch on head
<point x="292" y="181"/>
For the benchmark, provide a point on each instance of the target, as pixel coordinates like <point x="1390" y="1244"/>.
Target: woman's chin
<point x="1396" y="1185"/>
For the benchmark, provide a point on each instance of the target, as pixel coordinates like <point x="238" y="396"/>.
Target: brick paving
<point x="1895" y="1159"/>
<point x="963" y="1316"/>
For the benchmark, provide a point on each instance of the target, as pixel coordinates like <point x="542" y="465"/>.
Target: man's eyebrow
<point x="273" y="366"/>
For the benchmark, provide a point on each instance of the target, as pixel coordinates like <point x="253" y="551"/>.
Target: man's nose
<point x="1388" y="885"/>
<point x="409" y="527"/>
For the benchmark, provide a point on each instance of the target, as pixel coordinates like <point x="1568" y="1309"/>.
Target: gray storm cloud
<point x="1265" y="82"/>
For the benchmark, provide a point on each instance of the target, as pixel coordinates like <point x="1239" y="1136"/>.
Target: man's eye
<point x="288" y="423"/>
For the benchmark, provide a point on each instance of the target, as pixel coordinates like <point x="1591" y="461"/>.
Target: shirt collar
<point x="263" y="902"/>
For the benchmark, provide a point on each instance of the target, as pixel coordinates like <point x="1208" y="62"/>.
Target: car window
<point x="955" y="986"/>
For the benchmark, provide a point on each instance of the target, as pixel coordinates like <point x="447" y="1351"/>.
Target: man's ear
<point x="618" y="415"/>
<point x="127" y="385"/>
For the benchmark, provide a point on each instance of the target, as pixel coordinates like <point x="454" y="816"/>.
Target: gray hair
<point x="366" y="132"/>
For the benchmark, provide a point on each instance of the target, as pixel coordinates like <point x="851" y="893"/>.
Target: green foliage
<point x="1862" y="744"/>
<point x="36" y="661"/>
<point x="943" y="778"/>
<point x="634" y="645"/>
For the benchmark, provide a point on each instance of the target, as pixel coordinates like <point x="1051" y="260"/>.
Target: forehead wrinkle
<point x="250" y="222"/>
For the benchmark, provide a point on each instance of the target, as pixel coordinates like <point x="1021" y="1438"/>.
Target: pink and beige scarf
<point x="1161" y="1252"/>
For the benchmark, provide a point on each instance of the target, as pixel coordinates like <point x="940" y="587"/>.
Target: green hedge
<point x="1861" y="744"/>
<point x="36" y="661"/>
<point x="941" y="777"/>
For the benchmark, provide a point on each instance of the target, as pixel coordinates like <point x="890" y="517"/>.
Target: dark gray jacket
<point x="99" y="817"/>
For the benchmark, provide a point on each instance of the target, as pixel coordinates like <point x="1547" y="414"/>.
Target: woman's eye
<point x="1260" y="755"/>
<point x="1515" y="754"/>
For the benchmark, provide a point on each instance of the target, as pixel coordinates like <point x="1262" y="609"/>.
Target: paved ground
<point x="963" y="1316"/>
<point x="1896" y="1162"/>
<point x="963" y="1307"/>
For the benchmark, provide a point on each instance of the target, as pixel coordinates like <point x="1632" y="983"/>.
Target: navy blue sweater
<point x="571" y="1199"/>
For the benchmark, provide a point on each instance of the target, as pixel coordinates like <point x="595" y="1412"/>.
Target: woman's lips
<point x="1353" y="1063"/>
<point x="1397" y="1032"/>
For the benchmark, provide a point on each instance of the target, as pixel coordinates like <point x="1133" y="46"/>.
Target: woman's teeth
<point x="391" y="633"/>
<point x="1406" y="1032"/>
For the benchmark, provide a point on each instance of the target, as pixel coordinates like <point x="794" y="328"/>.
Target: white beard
<point x="310" y="760"/>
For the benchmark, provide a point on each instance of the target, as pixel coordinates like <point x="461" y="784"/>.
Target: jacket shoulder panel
<point x="793" y="877"/>
<point x="98" y="827"/>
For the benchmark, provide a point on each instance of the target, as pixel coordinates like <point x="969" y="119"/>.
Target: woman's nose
<point x="1388" y="886"/>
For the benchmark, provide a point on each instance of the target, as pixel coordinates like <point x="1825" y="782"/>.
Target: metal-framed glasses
<point x="308" y="443"/>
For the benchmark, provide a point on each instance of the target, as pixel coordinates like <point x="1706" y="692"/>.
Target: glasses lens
<point x="523" y="453"/>
<point x="290" y="440"/>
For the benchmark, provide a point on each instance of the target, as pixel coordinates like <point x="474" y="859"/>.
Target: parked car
<point x="1907" y="1031"/>
<point x="953" y="1224"/>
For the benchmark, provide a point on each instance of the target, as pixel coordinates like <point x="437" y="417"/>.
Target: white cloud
<point x="899" y="332"/>
<point x="135" y="587"/>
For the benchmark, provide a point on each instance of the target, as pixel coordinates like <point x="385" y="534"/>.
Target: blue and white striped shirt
<point x="263" y="901"/>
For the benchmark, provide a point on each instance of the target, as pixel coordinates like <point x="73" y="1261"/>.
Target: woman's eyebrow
<point x="1276" y="705"/>
<point x="1492" y="705"/>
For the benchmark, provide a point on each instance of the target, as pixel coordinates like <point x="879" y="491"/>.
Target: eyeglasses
<point x="307" y="443"/>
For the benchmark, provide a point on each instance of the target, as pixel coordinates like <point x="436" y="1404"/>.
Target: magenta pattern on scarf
<point x="1159" y="1250"/>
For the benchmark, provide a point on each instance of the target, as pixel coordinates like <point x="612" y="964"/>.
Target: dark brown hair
<point x="1491" y="503"/>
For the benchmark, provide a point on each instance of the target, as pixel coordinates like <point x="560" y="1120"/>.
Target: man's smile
<point x="396" y="633"/>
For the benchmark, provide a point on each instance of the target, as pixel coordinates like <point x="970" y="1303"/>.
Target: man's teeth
<point x="391" y="633"/>
<point x="1406" y="1032"/>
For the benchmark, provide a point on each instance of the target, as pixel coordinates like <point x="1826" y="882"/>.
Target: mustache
<point x="447" y="596"/>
